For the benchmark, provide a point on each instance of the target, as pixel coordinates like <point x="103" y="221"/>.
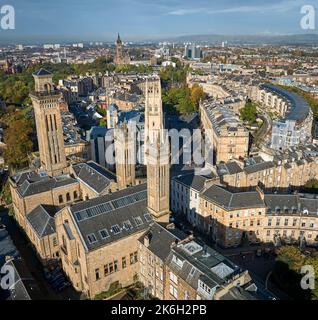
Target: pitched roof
<point x="42" y="221"/>
<point x="191" y="180"/>
<point x="42" y="184"/>
<point x="42" y="72"/>
<point x="160" y="239"/>
<point x="230" y="200"/>
<point x="118" y="210"/>
<point x="194" y="262"/>
<point x="95" y="176"/>
<point x="25" y="287"/>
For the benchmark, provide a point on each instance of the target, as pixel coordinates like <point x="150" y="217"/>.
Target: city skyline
<point x="100" y="20"/>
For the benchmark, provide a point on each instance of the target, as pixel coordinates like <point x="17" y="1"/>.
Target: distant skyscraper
<point x="192" y="52"/>
<point x="45" y="100"/>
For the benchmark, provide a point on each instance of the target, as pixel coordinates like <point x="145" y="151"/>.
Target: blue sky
<point x="150" y="19"/>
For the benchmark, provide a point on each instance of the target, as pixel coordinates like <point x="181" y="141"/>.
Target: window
<point x="116" y="265"/>
<point x="127" y="225"/>
<point x="60" y="198"/>
<point x="268" y="233"/>
<point x="173" y="291"/>
<point x="91" y="238"/>
<point x="173" y="277"/>
<point x="54" y="242"/>
<point x="186" y="295"/>
<point x="75" y="195"/>
<point x="68" y="197"/>
<point x="138" y="221"/>
<point x="204" y="287"/>
<point x="286" y="222"/>
<point x="106" y="270"/>
<point x="111" y="267"/>
<point x="123" y="262"/>
<point x="104" y="233"/>
<point x="148" y="217"/>
<point x="133" y="257"/>
<point x="115" y="229"/>
<point x="97" y="276"/>
<point x="269" y="222"/>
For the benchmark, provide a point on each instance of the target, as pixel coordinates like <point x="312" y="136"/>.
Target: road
<point x="265" y="128"/>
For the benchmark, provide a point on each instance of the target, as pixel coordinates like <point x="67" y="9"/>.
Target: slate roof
<point x="259" y="166"/>
<point x="41" y="72"/>
<point x="160" y="239"/>
<point x="38" y="184"/>
<point x="25" y="287"/>
<point x="191" y="180"/>
<point x="231" y="167"/>
<point x="299" y="107"/>
<point x="95" y="176"/>
<point x="42" y="221"/>
<point x="281" y="201"/>
<point x="238" y="293"/>
<point x="105" y="212"/>
<point x="231" y="201"/>
<point x="204" y="264"/>
<point x="295" y="204"/>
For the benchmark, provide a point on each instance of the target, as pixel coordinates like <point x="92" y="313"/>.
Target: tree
<point x="291" y="256"/>
<point x="197" y="94"/>
<point x="249" y="112"/>
<point x="312" y="184"/>
<point x="18" y="143"/>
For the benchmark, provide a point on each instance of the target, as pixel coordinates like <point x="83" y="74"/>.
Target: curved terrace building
<point x="295" y="126"/>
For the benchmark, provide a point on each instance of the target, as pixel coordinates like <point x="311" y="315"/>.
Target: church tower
<point x="45" y="101"/>
<point x="125" y="157"/>
<point x="157" y="153"/>
<point x="153" y="109"/>
<point x="121" y="57"/>
<point x="119" y="51"/>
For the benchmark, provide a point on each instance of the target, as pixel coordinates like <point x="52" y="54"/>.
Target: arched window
<point x="75" y="195"/>
<point x="68" y="197"/>
<point x="60" y="198"/>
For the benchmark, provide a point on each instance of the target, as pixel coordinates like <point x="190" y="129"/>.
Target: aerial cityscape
<point x="158" y="159"/>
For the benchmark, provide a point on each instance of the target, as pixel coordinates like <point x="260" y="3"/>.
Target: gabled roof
<point x="42" y="221"/>
<point x="38" y="184"/>
<point x="42" y="72"/>
<point x="95" y="176"/>
<point x="161" y="238"/>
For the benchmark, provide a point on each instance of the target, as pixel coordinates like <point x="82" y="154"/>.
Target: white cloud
<point x="283" y="6"/>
